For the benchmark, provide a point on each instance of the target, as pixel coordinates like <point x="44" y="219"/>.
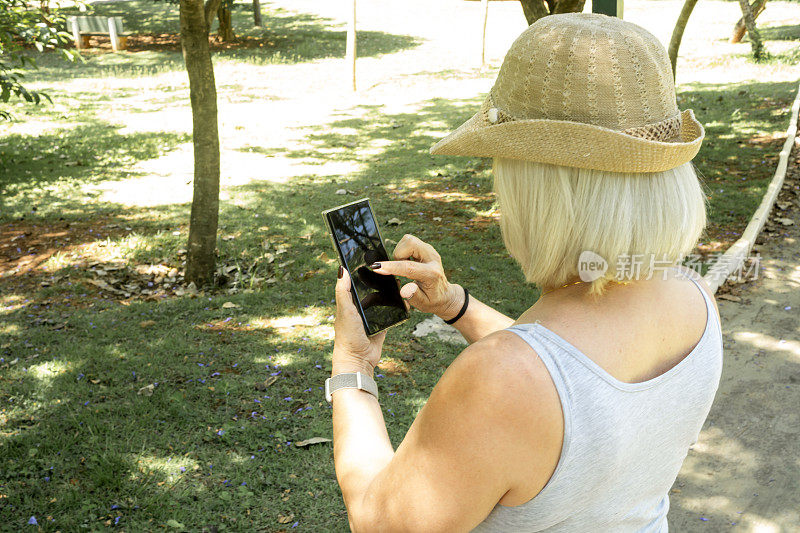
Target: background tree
<point x="740" y="28"/>
<point x="225" y="30"/>
<point x="536" y="9"/>
<point x="195" y="22"/>
<point x="677" y="33"/>
<point x="752" y="31"/>
<point x="24" y="26"/>
<point x="257" y="13"/>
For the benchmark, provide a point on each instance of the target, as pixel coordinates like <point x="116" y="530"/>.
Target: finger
<point x="408" y="290"/>
<point x="422" y="272"/>
<point x="411" y="247"/>
<point x="344" y="299"/>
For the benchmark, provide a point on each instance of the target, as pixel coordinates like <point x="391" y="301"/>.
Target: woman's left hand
<point x="353" y="351"/>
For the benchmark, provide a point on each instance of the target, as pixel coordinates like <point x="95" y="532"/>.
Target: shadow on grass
<point x="154" y="44"/>
<point x="788" y="32"/>
<point x="36" y="172"/>
<point x="744" y="124"/>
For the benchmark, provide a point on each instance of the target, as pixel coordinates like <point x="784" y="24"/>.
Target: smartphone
<point x="358" y="243"/>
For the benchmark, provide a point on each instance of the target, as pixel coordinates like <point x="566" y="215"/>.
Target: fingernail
<point x="341" y="272"/>
<point x="375" y="266"/>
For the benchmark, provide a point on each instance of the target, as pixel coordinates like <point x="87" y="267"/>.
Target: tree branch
<point x="569" y="6"/>
<point x="210" y="10"/>
<point x="533" y="10"/>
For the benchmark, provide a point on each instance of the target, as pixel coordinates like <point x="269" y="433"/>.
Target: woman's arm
<point x="430" y="292"/>
<point x="492" y="424"/>
<point x="479" y="320"/>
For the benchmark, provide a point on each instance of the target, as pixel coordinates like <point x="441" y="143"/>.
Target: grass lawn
<point x="150" y="411"/>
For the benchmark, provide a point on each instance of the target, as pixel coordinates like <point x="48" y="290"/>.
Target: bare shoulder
<point x="693" y="274"/>
<point x="503" y="365"/>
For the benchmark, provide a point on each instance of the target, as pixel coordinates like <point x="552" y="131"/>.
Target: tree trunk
<point x="677" y="33"/>
<point x="534" y="10"/>
<point x="750" y="24"/>
<point x="205" y="136"/>
<point x="210" y="11"/>
<point x="257" y="13"/>
<point x="569" y="6"/>
<point x="740" y="29"/>
<point x="225" y="31"/>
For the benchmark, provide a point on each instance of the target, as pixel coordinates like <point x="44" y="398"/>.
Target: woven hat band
<point x="668" y="130"/>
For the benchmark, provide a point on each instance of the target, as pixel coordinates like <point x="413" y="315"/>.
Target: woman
<point x="577" y="415"/>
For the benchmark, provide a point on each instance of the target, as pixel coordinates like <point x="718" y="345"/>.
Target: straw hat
<point x="582" y="90"/>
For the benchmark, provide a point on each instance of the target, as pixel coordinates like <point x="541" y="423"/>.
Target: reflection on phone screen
<point x="360" y="244"/>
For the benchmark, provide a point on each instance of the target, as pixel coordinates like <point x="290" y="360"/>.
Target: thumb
<point x="343" y="296"/>
<point x="409" y="290"/>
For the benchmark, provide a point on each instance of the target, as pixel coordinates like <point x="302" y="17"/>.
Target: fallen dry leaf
<point x="269" y="381"/>
<point x="230" y="305"/>
<point x="311" y="441"/>
<point x="147" y="323"/>
<point x="285" y="519"/>
<point x="729" y="297"/>
<point x="147" y="390"/>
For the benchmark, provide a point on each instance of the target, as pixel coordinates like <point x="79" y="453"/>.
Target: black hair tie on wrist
<point x="463" y="309"/>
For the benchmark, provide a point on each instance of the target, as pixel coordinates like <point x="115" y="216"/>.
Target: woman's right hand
<point x="429" y="290"/>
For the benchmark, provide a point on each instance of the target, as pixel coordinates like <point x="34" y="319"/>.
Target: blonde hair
<point x="550" y="214"/>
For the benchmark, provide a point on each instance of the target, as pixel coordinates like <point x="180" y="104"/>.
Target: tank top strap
<point x="711" y="320"/>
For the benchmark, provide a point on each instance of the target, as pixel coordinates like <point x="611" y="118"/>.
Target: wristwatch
<point x="350" y="380"/>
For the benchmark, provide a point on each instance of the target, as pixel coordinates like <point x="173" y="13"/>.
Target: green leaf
<point x="174" y="524"/>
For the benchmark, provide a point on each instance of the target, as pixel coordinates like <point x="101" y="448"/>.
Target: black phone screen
<point x="359" y="243"/>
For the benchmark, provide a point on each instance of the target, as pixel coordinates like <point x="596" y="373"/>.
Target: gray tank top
<point x="624" y="443"/>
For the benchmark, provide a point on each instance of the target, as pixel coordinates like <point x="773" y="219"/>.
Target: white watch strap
<point x="350" y="380"/>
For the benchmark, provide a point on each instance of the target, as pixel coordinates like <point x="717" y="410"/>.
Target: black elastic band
<point x="463" y="309"/>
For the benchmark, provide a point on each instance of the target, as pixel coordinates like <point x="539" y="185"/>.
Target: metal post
<point x="612" y="8"/>
<point x="112" y="33"/>
<point x="485" y="15"/>
<point x="350" y="53"/>
<point x="76" y="32"/>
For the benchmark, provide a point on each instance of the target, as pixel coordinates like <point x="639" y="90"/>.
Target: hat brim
<point x="572" y="144"/>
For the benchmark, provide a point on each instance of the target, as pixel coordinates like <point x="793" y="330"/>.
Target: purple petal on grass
<point x="244" y="483"/>
<point x="257" y="400"/>
<point x="32" y="521"/>
<point x="221" y="432"/>
<point x="295" y="525"/>
<point x="116" y="520"/>
<point x="704" y="519"/>
<point x="787" y="308"/>
<point x="215" y="374"/>
<point x="183" y="469"/>
<point x="86" y="403"/>
<point x="288" y="399"/>
<point x="115" y="506"/>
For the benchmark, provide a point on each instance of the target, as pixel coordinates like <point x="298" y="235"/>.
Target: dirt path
<point x="744" y="473"/>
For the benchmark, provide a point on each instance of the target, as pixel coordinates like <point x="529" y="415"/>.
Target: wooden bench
<point x="85" y="27"/>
